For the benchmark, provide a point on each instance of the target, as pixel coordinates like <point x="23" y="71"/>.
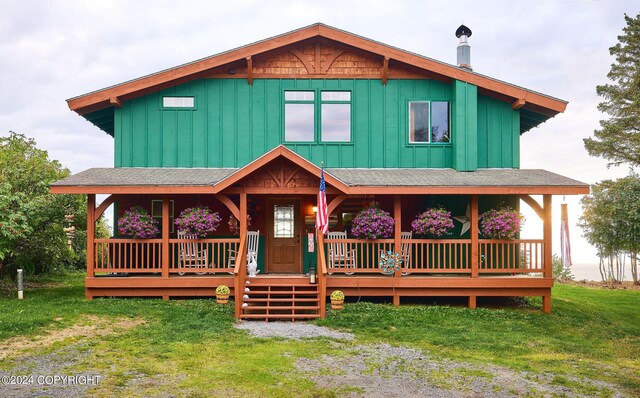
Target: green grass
<point x="190" y="346"/>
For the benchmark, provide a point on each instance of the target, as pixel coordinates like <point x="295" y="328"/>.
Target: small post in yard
<point x="20" y="285"/>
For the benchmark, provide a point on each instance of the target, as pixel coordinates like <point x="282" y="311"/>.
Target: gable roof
<point x="98" y="106"/>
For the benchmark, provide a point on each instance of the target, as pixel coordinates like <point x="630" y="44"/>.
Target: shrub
<point x="198" y="221"/>
<point x="434" y="222"/>
<point x="505" y="223"/>
<point x="137" y="223"/>
<point x="560" y="273"/>
<point x="372" y="223"/>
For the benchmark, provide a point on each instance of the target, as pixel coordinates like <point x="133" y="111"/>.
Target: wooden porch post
<point x="397" y="233"/>
<point x="91" y="235"/>
<point x="165" y="237"/>
<point x="239" y="272"/>
<point x="475" y="253"/>
<point x="548" y="249"/>
<point x="473" y="207"/>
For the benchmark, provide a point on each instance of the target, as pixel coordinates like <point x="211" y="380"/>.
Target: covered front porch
<point x="276" y="194"/>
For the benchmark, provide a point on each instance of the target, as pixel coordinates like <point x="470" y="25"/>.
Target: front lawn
<point x="190" y="348"/>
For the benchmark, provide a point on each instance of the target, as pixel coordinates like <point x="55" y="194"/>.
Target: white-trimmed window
<point x="178" y="102"/>
<point x="429" y="122"/>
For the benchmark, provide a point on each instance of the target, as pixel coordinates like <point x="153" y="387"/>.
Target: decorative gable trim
<point x="281" y="182"/>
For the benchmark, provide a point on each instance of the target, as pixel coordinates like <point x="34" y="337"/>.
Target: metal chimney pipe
<point x="464" y="49"/>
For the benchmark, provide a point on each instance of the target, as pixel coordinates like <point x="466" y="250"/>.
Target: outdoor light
<point x="313" y="276"/>
<point x="315" y="209"/>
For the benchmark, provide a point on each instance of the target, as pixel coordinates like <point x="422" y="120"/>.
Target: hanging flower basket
<point x="433" y="222"/>
<point x="198" y="221"/>
<point x="504" y="223"/>
<point x="372" y="223"/>
<point x="137" y="223"/>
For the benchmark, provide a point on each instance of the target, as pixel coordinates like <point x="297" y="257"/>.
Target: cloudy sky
<point x="54" y="50"/>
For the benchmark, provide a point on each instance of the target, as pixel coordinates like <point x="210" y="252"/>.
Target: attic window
<point x="178" y="102"/>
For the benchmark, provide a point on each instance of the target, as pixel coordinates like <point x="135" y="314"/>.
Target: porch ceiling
<point x="357" y="181"/>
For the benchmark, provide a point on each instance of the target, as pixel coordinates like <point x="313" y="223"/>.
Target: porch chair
<point x="339" y="254"/>
<point x="192" y="254"/>
<point x="253" y="238"/>
<point x="405" y="251"/>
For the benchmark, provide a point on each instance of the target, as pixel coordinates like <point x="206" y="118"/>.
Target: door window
<point x="283" y="221"/>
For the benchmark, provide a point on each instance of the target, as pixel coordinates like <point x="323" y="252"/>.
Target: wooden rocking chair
<point x="192" y="254"/>
<point x="339" y="254"/>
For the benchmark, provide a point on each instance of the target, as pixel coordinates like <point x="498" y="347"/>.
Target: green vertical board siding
<point x="498" y="134"/>
<point x="465" y="123"/>
<point x="233" y="123"/>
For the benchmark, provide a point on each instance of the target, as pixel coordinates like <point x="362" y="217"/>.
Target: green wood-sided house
<point x="245" y="132"/>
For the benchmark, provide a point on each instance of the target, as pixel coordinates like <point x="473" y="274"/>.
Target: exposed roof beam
<point x="519" y="103"/>
<point x="115" y="101"/>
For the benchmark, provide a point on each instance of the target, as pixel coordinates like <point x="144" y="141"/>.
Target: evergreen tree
<point x="618" y="139"/>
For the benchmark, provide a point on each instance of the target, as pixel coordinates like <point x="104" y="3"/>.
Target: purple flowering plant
<point x="137" y="223"/>
<point x="504" y="223"/>
<point x="198" y="221"/>
<point x="434" y="222"/>
<point x="372" y="223"/>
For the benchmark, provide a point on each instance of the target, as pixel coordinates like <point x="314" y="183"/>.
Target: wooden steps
<point x="280" y="298"/>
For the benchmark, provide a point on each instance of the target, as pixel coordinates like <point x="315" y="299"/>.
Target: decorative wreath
<point x="390" y="262"/>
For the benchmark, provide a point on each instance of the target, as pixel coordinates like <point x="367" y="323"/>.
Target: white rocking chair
<point x="405" y="251"/>
<point x="192" y="254"/>
<point x="339" y="254"/>
<point x="253" y="238"/>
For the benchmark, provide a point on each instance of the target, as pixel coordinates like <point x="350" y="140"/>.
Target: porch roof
<point x="357" y="181"/>
<point x="479" y="181"/>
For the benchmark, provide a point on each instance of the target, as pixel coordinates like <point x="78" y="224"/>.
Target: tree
<point x="618" y="139"/>
<point x="611" y="222"/>
<point x="31" y="219"/>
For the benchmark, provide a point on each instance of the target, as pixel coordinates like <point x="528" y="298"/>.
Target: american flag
<point x="322" y="217"/>
<point x="565" y="245"/>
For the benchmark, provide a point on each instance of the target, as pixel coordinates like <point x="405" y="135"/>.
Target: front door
<point x="283" y="240"/>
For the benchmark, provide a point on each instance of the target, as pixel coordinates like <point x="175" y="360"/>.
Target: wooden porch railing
<point x="128" y="255"/>
<point x="355" y="255"/>
<point x="240" y="276"/>
<point x="322" y="275"/>
<point x="145" y="255"/>
<point x="202" y="255"/>
<point x="423" y="256"/>
<point x="437" y="255"/>
<point x="512" y="256"/>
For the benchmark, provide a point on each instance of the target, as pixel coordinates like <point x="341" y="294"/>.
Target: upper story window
<point x="336" y="116"/>
<point x="178" y="102"/>
<point x="308" y="120"/>
<point x="429" y="122"/>
<point x="299" y="115"/>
